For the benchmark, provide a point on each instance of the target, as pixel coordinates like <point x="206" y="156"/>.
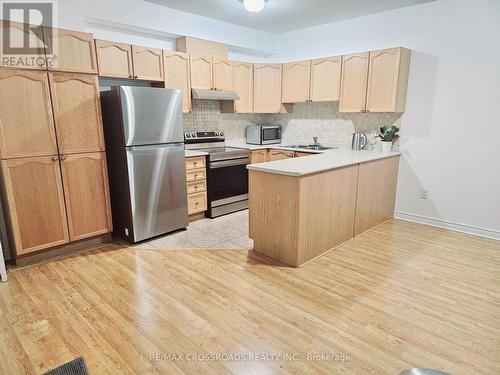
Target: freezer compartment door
<point x="151" y="115"/>
<point x="158" y="195"/>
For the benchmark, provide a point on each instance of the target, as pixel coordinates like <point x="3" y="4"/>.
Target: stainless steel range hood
<point x="202" y="94"/>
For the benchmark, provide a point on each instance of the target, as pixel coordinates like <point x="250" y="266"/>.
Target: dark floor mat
<point x="74" y="367"/>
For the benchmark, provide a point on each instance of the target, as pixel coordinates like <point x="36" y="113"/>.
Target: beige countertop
<point x="327" y="160"/>
<point x="190" y="153"/>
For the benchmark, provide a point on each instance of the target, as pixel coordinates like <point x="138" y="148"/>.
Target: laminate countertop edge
<point x="192" y="153"/>
<point x="326" y="161"/>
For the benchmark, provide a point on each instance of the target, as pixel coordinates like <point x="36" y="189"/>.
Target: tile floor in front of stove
<point x="225" y="232"/>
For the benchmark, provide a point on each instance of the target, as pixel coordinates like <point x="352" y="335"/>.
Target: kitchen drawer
<point x="195" y="162"/>
<point x="197" y="202"/>
<point x="196" y="175"/>
<point x="279" y="154"/>
<point x="196" y="186"/>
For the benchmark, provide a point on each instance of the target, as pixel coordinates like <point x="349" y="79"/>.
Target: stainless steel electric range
<point x="227" y="174"/>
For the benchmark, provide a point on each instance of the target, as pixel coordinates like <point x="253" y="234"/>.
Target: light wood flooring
<point x="399" y="296"/>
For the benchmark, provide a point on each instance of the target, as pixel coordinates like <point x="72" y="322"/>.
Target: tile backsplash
<point x="308" y="120"/>
<point x="206" y="115"/>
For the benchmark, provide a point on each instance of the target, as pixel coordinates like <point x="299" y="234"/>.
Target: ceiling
<point x="286" y="15"/>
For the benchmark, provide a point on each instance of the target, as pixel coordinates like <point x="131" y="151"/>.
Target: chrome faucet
<point x="315" y="139"/>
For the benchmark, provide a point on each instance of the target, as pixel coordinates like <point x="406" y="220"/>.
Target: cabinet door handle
<point x="55" y="158"/>
<point x="63" y="157"/>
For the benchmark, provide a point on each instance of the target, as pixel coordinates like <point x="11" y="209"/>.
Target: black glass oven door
<point x="227" y="179"/>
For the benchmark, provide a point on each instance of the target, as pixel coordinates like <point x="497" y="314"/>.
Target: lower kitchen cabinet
<point x="197" y="203"/>
<point x="53" y="200"/>
<point x="86" y="191"/>
<point x="196" y="184"/>
<point x="35" y="200"/>
<point x="258" y="156"/>
<point x="279" y="154"/>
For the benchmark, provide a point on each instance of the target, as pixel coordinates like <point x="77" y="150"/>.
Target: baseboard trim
<point x="462" y="228"/>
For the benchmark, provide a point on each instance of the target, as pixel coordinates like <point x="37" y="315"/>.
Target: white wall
<point x="451" y="127"/>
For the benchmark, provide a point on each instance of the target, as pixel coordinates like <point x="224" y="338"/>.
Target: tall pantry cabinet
<point x="54" y="177"/>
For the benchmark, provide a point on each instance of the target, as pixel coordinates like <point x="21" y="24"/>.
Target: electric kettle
<point x="359" y="141"/>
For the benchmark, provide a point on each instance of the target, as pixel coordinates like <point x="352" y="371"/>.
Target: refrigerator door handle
<point x="154" y="146"/>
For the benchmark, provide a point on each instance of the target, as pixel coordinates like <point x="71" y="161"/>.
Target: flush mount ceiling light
<point x="254" y="6"/>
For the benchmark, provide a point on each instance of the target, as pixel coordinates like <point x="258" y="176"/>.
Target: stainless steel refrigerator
<point x="146" y="166"/>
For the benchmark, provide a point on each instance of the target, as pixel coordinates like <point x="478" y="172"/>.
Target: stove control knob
<point x="222" y="134"/>
<point x="188" y="135"/>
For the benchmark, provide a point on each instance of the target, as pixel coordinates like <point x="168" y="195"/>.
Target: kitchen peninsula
<point x="304" y="207"/>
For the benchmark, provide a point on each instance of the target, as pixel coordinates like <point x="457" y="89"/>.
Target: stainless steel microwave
<point x="263" y="134"/>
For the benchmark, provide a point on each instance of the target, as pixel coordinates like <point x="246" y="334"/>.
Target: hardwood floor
<point x="402" y="295"/>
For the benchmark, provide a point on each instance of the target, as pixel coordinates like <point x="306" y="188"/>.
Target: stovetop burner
<point x="214" y="144"/>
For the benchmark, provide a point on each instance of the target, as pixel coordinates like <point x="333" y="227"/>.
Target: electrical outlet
<point x="424" y="194"/>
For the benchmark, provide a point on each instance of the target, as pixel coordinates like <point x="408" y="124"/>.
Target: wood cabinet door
<point x="148" y="63"/>
<point x="72" y="51"/>
<point x="86" y="190"/>
<point x="243" y="85"/>
<point x="353" y="83"/>
<point x="176" y="71"/>
<point x="387" y="80"/>
<point x="18" y="34"/>
<point x="267" y="88"/>
<point x="325" y="79"/>
<point x="223" y="74"/>
<point x="279" y="154"/>
<point x="26" y="122"/>
<point x="36" y="203"/>
<point x="77" y="111"/>
<point x="201" y="72"/>
<point x="296" y="81"/>
<point x="114" y="59"/>
<point x="258" y="156"/>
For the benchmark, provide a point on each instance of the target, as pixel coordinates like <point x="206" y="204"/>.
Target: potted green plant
<point x="388" y="135"/>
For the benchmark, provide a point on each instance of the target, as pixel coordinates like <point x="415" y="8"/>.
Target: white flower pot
<point x="386" y="146"/>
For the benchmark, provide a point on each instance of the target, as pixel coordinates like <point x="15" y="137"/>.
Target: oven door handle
<point x="229" y="163"/>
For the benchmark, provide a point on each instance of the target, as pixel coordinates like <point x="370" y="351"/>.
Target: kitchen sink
<point x="311" y="147"/>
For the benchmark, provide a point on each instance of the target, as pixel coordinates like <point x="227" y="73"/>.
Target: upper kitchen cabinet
<point x="26" y="121"/>
<point x="354" y="82"/>
<point x="35" y="201"/>
<point x="77" y="112"/>
<point x="147" y="63"/>
<point x="267" y="88"/>
<point x="176" y="67"/>
<point x="243" y="85"/>
<point x="72" y="51"/>
<point x="201" y="72"/>
<point x="223" y="75"/>
<point x="388" y="80"/>
<point x="19" y="33"/>
<point x="114" y="59"/>
<point x="325" y="79"/>
<point x="296" y="81"/>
